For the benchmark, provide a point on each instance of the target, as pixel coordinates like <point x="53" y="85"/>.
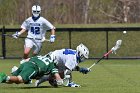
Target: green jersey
<point x="37" y="66"/>
<point x="44" y="64"/>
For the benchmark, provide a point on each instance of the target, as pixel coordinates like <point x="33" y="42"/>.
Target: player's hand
<point x="16" y="35"/>
<point x="114" y="50"/>
<point x="52" y="38"/>
<point x="84" y="70"/>
<point x="59" y="82"/>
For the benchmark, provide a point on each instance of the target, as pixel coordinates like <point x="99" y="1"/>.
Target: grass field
<point x="109" y="76"/>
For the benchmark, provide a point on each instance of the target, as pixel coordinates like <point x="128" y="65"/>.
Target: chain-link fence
<point x="98" y="40"/>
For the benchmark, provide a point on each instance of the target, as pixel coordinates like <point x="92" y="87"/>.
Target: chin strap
<point x="78" y="58"/>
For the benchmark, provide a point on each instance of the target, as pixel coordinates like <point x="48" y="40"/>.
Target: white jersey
<point x="66" y="58"/>
<point x="36" y="29"/>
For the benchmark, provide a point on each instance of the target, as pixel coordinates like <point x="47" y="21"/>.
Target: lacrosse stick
<point x="11" y="35"/>
<point x="44" y="39"/>
<point x="24" y="37"/>
<point x="113" y="50"/>
<point x="47" y="40"/>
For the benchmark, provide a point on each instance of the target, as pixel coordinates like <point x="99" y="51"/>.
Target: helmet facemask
<point x="83" y="52"/>
<point x="36" y="10"/>
<point x="81" y="58"/>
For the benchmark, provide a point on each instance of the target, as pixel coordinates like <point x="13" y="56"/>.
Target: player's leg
<point x="14" y="79"/>
<point x="10" y="79"/>
<point x="68" y="79"/>
<point x="37" y="47"/>
<point x="27" y="48"/>
<point x="42" y="79"/>
<point x="50" y="78"/>
<point x="26" y="52"/>
<point x="28" y="72"/>
<point x="64" y="74"/>
<point x="23" y="74"/>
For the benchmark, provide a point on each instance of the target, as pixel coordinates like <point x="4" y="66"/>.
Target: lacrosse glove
<point x="84" y="70"/>
<point x="52" y="38"/>
<point x="16" y="35"/>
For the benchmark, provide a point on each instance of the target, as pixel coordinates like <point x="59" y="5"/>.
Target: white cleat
<point x="14" y="68"/>
<point x="37" y="83"/>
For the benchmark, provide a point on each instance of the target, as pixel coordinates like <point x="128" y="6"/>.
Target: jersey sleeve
<point x="71" y="62"/>
<point x="48" y="25"/>
<point x="25" y="25"/>
<point x="54" y="70"/>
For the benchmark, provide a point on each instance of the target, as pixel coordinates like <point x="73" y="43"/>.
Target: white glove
<point x="52" y="38"/>
<point x="114" y="50"/>
<point x="14" y="68"/>
<point x="16" y="35"/>
<point x="66" y="80"/>
<point x="59" y="82"/>
<point x="43" y="39"/>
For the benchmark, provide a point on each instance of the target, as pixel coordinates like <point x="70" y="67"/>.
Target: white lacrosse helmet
<point x="82" y="51"/>
<point x="36" y="10"/>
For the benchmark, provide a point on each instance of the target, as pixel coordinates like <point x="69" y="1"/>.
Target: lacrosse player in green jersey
<point x="36" y="67"/>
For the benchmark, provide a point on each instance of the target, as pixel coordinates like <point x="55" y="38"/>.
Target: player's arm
<point x="22" y="31"/>
<point x="81" y="69"/>
<point x="49" y="26"/>
<point x="56" y="75"/>
<point x="17" y="34"/>
<point x="58" y="79"/>
<point x="73" y="67"/>
<point x="52" y="37"/>
<point x="53" y="31"/>
<point x="24" y="27"/>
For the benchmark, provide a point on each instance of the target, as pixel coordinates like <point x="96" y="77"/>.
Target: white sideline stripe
<point x="120" y="65"/>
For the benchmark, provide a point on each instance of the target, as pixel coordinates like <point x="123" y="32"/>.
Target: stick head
<point x="117" y="46"/>
<point x="118" y="43"/>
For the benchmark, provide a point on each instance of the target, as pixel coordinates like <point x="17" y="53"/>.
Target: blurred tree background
<point x="13" y="12"/>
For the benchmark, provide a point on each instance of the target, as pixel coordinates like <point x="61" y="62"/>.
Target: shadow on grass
<point x="32" y="87"/>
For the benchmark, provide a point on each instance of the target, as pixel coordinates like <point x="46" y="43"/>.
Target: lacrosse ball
<point x="124" y="32"/>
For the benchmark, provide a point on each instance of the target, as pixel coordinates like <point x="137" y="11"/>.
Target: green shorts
<point x="27" y="71"/>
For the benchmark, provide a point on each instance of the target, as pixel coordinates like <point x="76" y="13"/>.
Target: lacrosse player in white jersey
<point x="67" y="60"/>
<point x="36" y="27"/>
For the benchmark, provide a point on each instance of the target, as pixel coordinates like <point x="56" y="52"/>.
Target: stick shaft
<point x="11" y="35"/>
<point x="47" y="40"/>
<point x="21" y="37"/>
<point x="106" y="54"/>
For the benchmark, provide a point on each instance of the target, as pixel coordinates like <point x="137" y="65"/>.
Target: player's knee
<point x="20" y="79"/>
<point x="27" y="51"/>
<point x="34" y="53"/>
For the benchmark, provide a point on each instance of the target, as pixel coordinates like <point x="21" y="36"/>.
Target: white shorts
<point x="34" y="44"/>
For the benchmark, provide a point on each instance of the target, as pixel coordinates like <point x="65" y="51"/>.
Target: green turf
<point x="109" y="76"/>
